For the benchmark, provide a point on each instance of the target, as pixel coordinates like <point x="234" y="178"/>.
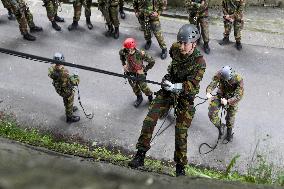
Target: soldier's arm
<point x="148" y="59"/>
<point x="160" y="7"/>
<point x="203" y="6"/>
<point x="224" y="8"/>
<point x="135" y="5"/>
<point x="238" y="15"/>
<point x="122" y="57"/>
<point x="193" y="81"/>
<point x="214" y="83"/>
<point x="238" y="93"/>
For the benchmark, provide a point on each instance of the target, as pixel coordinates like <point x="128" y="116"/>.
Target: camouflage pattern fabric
<point x="109" y="9"/>
<point x="121" y="3"/>
<point x="235" y="9"/>
<point x="51" y="8"/>
<point x="233" y="91"/>
<point x="134" y="63"/>
<point x="22" y="13"/>
<point x="186" y="69"/>
<point x="77" y="5"/>
<point x="6" y="4"/>
<point x="64" y="86"/>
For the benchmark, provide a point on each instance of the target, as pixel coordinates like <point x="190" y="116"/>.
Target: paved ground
<point x="26" y="89"/>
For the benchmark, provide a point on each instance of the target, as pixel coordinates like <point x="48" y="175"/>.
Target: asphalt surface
<point x="27" y="91"/>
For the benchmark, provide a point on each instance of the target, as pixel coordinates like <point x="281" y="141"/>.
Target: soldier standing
<point x="24" y="18"/>
<point x="109" y="9"/>
<point x="77" y="5"/>
<point x="132" y="61"/>
<point x="230" y="92"/>
<point x="151" y="11"/>
<point x="121" y="11"/>
<point x="233" y="16"/>
<point x="11" y="16"/>
<point x="138" y="9"/>
<point x="51" y="10"/>
<point x="64" y="84"/>
<point x="181" y="84"/>
<point x="198" y="15"/>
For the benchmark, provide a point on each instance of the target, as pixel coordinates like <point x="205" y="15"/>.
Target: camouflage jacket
<point x="234" y="8"/>
<point x="62" y="81"/>
<point x="107" y="3"/>
<point x="148" y="6"/>
<point x="197" y="8"/>
<point x="186" y="69"/>
<point x="134" y="61"/>
<point x="232" y="90"/>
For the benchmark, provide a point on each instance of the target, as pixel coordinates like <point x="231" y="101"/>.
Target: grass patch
<point x="10" y="129"/>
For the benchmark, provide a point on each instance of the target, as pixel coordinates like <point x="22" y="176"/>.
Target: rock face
<point x="28" y="167"/>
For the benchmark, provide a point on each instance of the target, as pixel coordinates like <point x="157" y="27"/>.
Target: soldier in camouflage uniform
<point x="198" y="15"/>
<point x="121" y="11"/>
<point x="64" y="84"/>
<point x="138" y="9"/>
<point x="132" y="61"/>
<point x="24" y="18"/>
<point x="181" y="84"/>
<point x="77" y="5"/>
<point x="11" y="16"/>
<point x="51" y="10"/>
<point x="233" y="16"/>
<point x="230" y="92"/>
<point x="109" y="9"/>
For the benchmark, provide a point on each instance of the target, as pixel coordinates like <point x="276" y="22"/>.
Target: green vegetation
<point x="261" y="173"/>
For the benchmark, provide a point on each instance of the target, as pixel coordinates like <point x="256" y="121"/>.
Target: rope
<point x="89" y="116"/>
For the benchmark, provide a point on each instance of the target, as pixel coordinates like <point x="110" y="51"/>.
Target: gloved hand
<point x="175" y="88"/>
<point x="209" y="95"/>
<point x="224" y="101"/>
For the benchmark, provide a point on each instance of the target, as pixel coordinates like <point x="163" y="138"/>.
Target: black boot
<point x="150" y="98"/>
<point x="138" y="101"/>
<point x="11" y="16"/>
<point x="116" y="33"/>
<point x="206" y="48"/>
<point x="164" y="54"/>
<point x="75" y="108"/>
<point x="58" y="19"/>
<point x="180" y="170"/>
<point x="220" y="129"/>
<point x="225" y="41"/>
<point x="122" y="13"/>
<point x="35" y="29"/>
<point x="138" y="160"/>
<point x="109" y="31"/>
<point x="71" y="119"/>
<point x="239" y="45"/>
<point x="55" y="26"/>
<point x="148" y="45"/>
<point x="29" y="37"/>
<point x="73" y="26"/>
<point x="229" y="136"/>
<point x="89" y="23"/>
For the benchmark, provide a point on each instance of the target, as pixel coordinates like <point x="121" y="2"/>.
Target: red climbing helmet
<point x="129" y="43"/>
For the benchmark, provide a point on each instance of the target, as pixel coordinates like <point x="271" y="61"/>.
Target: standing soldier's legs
<point x="145" y="89"/>
<point x="68" y="104"/>
<point x="147" y="33"/>
<point x="77" y="6"/>
<point x="227" y="28"/>
<point x="51" y="10"/>
<point x="137" y="91"/>
<point x="106" y="14"/>
<point x="205" y="34"/>
<point x="88" y="14"/>
<point x="115" y="20"/>
<point x="237" y="33"/>
<point x="213" y="114"/>
<point x="121" y="11"/>
<point x="156" y="28"/>
<point x="141" y="21"/>
<point x="230" y="120"/>
<point x="30" y="20"/>
<point x="6" y="5"/>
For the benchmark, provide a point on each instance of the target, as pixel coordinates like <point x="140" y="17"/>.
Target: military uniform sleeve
<point x="75" y="80"/>
<point x="160" y="7"/>
<point x="122" y="57"/>
<point x="192" y="82"/>
<point x="135" y="5"/>
<point x="238" y="93"/>
<point x="146" y="57"/>
<point x="212" y="86"/>
<point x="224" y="7"/>
<point x="50" y="72"/>
<point x="238" y="15"/>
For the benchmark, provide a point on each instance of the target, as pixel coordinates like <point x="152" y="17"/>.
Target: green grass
<point x="10" y="129"/>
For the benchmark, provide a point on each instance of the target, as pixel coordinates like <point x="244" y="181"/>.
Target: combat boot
<point x="11" y="16"/>
<point x="180" y="170"/>
<point x="229" y="136"/>
<point x="164" y="54"/>
<point x="206" y="48"/>
<point x="239" y="45"/>
<point x="122" y="13"/>
<point x="71" y="119"/>
<point x="225" y="41"/>
<point x="73" y="26"/>
<point x="148" y="45"/>
<point x="116" y="33"/>
<point x="55" y="26"/>
<point x="59" y="19"/>
<point x="138" y="101"/>
<point x="75" y="108"/>
<point x="138" y="160"/>
<point x="150" y="98"/>
<point x="35" y="29"/>
<point x="89" y="23"/>
<point x="109" y="31"/>
<point x="29" y="37"/>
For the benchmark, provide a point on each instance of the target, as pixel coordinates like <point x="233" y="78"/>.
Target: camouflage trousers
<point x="202" y="25"/>
<point x="77" y="5"/>
<point x="110" y="14"/>
<point x="51" y="8"/>
<point x="238" y="26"/>
<point x="6" y="4"/>
<point x="22" y="13"/>
<point x="184" y="111"/>
<point x="68" y="104"/>
<point x="140" y="86"/>
<point x="214" y="109"/>
<point x="155" y="27"/>
<point x="140" y="18"/>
